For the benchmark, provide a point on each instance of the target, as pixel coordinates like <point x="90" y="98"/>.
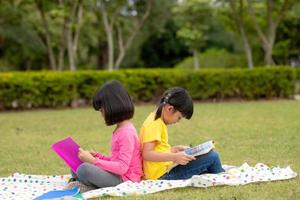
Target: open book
<point x="198" y="150"/>
<point x="68" y="149"/>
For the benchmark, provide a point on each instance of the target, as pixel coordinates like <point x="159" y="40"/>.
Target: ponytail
<point x="180" y="99"/>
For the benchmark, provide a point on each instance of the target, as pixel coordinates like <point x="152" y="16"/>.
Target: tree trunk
<point x="268" y="47"/>
<point x="28" y="65"/>
<point x="47" y="35"/>
<point x="268" y="39"/>
<point x="109" y="34"/>
<point x="268" y="55"/>
<point x="102" y="57"/>
<point x="108" y="27"/>
<point x="248" y="50"/>
<point x="70" y="47"/>
<point x="121" y="48"/>
<point x="77" y="30"/>
<point x="124" y="49"/>
<point x="70" y="39"/>
<point x="196" y="59"/>
<point x="61" y="58"/>
<point x="238" y="16"/>
<point x="62" y="47"/>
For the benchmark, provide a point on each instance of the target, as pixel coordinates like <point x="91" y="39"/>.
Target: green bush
<point x="298" y="73"/>
<point x="215" y="58"/>
<point x="297" y="90"/>
<point x="21" y="90"/>
<point x="37" y="89"/>
<point x="242" y="83"/>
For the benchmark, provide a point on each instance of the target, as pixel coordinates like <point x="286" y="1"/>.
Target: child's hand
<point x="85" y="156"/>
<point x="94" y="153"/>
<point x="178" y="148"/>
<point x="182" y="158"/>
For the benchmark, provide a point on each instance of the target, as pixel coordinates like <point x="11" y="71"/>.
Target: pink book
<point x="67" y="149"/>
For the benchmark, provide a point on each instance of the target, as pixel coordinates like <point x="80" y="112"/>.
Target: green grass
<point x="252" y="132"/>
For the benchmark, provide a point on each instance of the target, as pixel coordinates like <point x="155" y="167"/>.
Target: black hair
<point x="180" y="99"/>
<point x="114" y="101"/>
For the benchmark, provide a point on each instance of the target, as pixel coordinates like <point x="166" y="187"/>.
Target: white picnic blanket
<point x="27" y="187"/>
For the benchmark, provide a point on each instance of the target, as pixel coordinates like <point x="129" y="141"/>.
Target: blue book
<point x="61" y="194"/>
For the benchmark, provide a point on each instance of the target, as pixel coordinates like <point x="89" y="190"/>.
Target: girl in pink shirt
<point x="125" y="161"/>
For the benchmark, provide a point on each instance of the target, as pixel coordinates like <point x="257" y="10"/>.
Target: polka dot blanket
<point x="27" y="187"/>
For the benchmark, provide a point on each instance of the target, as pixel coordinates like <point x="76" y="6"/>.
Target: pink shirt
<point x="126" y="158"/>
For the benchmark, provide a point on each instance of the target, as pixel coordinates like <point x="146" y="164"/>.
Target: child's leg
<point x="208" y="163"/>
<point x="73" y="177"/>
<point x="92" y="175"/>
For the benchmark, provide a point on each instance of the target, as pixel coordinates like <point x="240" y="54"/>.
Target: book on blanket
<point x="67" y="149"/>
<point x="71" y="194"/>
<point x="198" y="150"/>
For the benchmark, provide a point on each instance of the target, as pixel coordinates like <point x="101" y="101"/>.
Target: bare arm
<point x="149" y="154"/>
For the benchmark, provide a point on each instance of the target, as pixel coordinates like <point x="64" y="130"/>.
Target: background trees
<point x="107" y="34"/>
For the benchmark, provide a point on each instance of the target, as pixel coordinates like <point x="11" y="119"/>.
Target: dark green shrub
<point x="21" y="90"/>
<point x="298" y="73"/>
<point x="297" y="90"/>
<point x="215" y="58"/>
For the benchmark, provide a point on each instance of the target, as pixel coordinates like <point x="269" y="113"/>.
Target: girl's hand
<point x="182" y="158"/>
<point x="178" y="148"/>
<point x="93" y="153"/>
<point x="86" y="156"/>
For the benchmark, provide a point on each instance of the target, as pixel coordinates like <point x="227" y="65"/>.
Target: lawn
<point x="252" y="132"/>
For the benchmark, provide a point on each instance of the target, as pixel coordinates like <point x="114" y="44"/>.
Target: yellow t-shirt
<point x="155" y="131"/>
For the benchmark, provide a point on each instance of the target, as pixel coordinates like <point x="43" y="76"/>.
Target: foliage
<point x="155" y="31"/>
<point x="201" y="25"/>
<point x="25" y="43"/>
<point x="287" y="43"/>
<point x="194" y="19"/>
<point x="297" y="90"/>
<point x="298" y="73"/>
<point x="20" y="44"/>
<point x="58" y="89"/>
<point x="215" y="58"/>
<point x="164" y="49"/>
<point x="249" y="84"/>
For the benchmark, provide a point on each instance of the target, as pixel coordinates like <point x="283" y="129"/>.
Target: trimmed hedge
<point x="21" y="90"/>
<point x="297" y="90"/>
<point x="298" y="73"/>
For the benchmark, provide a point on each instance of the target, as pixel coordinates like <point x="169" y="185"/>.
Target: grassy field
<point x="252" y="132"/>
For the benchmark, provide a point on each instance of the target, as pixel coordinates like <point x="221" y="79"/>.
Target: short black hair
<point x="180" y="99"/>
<point x="115" y="101"/>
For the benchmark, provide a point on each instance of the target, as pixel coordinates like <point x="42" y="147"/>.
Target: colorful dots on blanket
<point x="27" y="187"/>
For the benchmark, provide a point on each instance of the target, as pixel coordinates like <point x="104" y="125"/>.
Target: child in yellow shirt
<point x="158" y="155"/>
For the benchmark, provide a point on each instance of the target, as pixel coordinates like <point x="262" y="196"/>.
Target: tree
<point x="73" y="35"/>
<point x="275" y="12"/>
<point x="71" y="13"/>
<point x="193" y="17"/>
<point x="156" y="45"/>
<point x="163" y="48"/>
<point x="114" y="15"/>
<point x="287" y="47"/>
<point x="40" y="7"/>
<point x="20" y="45"/>
<point x="237" y="9"/>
